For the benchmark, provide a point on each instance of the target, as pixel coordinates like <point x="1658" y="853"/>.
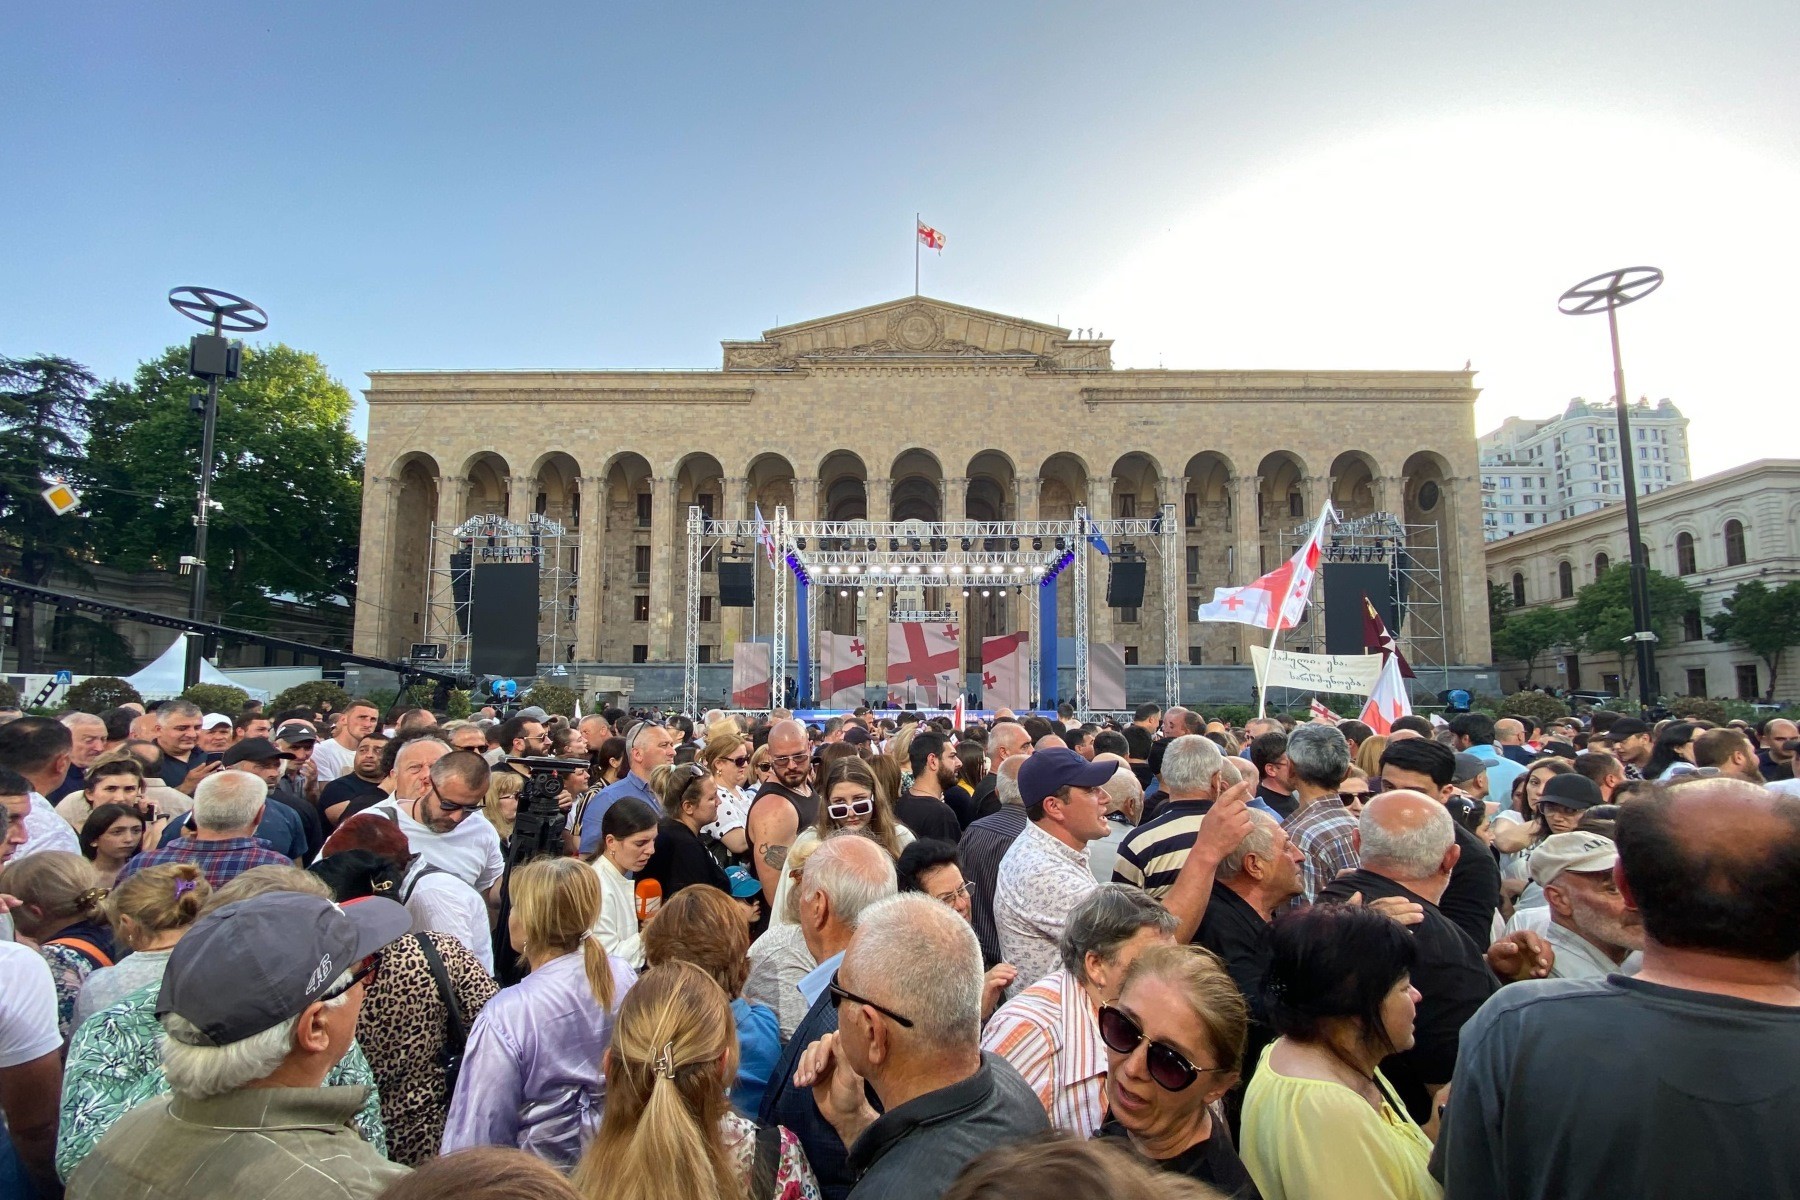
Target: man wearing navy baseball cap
<point x="259" y="1001"/>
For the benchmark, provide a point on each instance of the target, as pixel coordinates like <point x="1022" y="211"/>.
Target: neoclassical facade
<point x="914" y="409"/>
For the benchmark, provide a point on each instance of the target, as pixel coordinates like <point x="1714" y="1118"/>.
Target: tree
<point x="98" y="693"/>
<point x="1539" y="706"/>
<point x="287" y="490"/>
<point x="1601" y="622"/>
<point x="1763" y="620"/>
<point x="315" y="694"/>
<point x="553" y="698"/>
<point x="1527" y="633"/>
<point x="46" y="404"/>
<point x="217" y="697"/>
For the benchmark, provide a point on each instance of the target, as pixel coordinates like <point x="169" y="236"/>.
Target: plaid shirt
<point x="220" y="861"/>
<point x="1323" y="831"/>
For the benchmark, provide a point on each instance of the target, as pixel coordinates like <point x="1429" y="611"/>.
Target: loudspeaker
<point x="1125" y="585"/>
<point x="736" y="587"/>
<point x="1345" y="586"/>
<point x="503" y="619"/>
<point x="459" y="588"/>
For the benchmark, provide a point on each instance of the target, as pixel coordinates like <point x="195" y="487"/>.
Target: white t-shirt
<point x="441" y="903"/>
<point x="1787" y="787"/>
<point x="332" y="760"/>
<point x="27" y="1006"/>
<point x="45" y="830"/>
<point x="471" y="851"/>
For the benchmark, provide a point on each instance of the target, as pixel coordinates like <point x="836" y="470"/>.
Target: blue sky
<point x="579" y="185"/>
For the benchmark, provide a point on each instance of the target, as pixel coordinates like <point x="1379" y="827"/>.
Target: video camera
<point x="538" y="828"/>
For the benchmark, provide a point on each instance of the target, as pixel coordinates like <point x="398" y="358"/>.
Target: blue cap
<point x="1048" y="771"/>
<point x="743" y="883"/>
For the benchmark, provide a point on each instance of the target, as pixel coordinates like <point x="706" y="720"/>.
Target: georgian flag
<point x="1006" y="671"/>
<point x="1278" y="596"/>
<point x="930" y="238"/>
<point x="1324" y="714"/>
<point x="921" y="661"/>
<point x="843" y="669"/>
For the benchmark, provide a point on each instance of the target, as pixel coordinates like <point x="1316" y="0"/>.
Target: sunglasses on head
<point x="1168" y="1067"/>
<point x="840" y="810"/>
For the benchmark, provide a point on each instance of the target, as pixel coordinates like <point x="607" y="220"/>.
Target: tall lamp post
<point x="1610" y="292"/>
<point x="210" y="357"/>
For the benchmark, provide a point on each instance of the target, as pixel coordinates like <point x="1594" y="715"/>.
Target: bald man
<point x="783" y="806"/>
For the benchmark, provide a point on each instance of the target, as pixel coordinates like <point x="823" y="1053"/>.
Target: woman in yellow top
<point x="1320" y="1121"/>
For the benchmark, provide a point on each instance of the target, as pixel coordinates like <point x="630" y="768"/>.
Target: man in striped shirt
<point x="1322" y="828"/>
<point x="1050" y="1031"/>
<point x="1152" y="855"/>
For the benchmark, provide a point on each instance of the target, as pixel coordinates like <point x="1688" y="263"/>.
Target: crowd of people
<point x="354" y="954"/>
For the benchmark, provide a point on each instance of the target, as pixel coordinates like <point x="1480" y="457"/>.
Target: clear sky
<point x="1213" y="185"/>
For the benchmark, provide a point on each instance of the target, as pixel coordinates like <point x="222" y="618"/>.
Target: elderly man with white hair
<point x="908" y="996"/>
<point x="1124" y="808"/>
<point x="1407" y="841"/>
<point x="222" y="841"/>
<point x="87" y="735"/>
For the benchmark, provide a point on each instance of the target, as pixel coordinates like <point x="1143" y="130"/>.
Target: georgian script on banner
<point x="1346" y="674"/>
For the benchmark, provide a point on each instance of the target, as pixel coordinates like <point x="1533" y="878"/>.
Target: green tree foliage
<point x="217" y="697"/>
<point x="1699" y="708"/>
<point x="1763" y="620"/>
<point x="315" y="694"/>
<point x="458" y="708"/>
<point x="9" y="695"/>
<point x="1601" y="624"/>
<point x="1537" y="705"/>
<point x="46" y="404"/>
<point x="552" y="698"/>
<point x="1529" y="632"/>
<point x="287" y="487"/>
<point x="90" y="646"/>
<point x="99" y="693"/>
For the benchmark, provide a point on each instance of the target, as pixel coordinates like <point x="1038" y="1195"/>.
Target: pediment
<point x="916" y="327"/>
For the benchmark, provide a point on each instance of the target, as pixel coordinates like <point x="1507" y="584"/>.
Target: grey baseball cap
<point x="250" y="966"/>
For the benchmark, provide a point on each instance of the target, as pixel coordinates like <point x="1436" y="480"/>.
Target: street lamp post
<point x="1611" y="291"/>
<point x="210" y="357"/>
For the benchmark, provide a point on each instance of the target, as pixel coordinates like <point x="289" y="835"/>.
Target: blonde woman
<point x="669" y="1129"/>
<point x="60" y="908"/>
<point x="1368" y="756"/>
<point x="148" y="913"/>
<point x="503" y="802"/>
<point x="726" y="756"/>
<point x="854" y="800"/>
<point x="531" y="1075"/>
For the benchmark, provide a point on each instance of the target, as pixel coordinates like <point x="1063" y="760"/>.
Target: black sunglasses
<point x="1169" y="1068"/>
<point x="839" y="995"/>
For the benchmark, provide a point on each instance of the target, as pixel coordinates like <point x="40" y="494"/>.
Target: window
<point x="709" y="559"/>
<point x="1193" y="565"/>
<point x="1195" y="600"/>
<point x="1128" y="616"/>
<point x="643" y="510"/>
<point x="1601" y="563"/>
<point x="1131" y="657"/>
<point x="1296" y="505"/>
<point x="1684" y="554"/>
<point x="1125" y="505"/>
<point x="1194" y="656"/>
<point x="575" y="510"/>
<point x="1529" y="518"/>
<point x="1565" y="580"/>
<point x="1690" y="627"/>
<point x="1734" y="544"/>
<point x="542" y="504"/>
<point x="640" y="608"/>
<point x="704" y="653"/>
<point x="1696" y="681"/>
<point x="706" y="608"/>
<point x="1746" y="682"/>
<point x="640" y="565"/>
<point x="1518" y="589"/>
<point x="1507" y="518"/>
<point x="707" y="504"/>
<point x="640" y="654"/>
<point x="1193" y="508"/>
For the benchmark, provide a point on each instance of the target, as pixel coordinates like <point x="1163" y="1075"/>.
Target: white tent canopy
<point x="167" y="676"/>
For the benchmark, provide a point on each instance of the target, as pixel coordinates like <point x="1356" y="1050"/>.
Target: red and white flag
<point x="843" y="669"/>
<point x="750" y="671"/>
<point x="959" y="715"/>
<point x="1280" y="596"/>
<point x="764" y="538"/>
<point x="1006" y="671"/>
<point x="930" y="238"/>
<point x="1389" y="701"/>
<point x="921" y="657"/>
<point x="1324" y="714"/>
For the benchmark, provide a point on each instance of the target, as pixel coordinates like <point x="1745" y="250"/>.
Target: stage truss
<point x="959" y="554"/>
<point x="495" y="539"/>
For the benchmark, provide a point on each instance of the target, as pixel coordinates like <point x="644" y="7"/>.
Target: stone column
<point x="1100" y="617"/>
<point x="453" y="491"/>
<point x="1314" y="488"/>
<point x="737" y="508"/>
<point x="521" y="498"/>
<point x="880" y="496"/>
<point x="955" y="498"/>
<point x="1465" y="581"/>
<point x="1246" y="542"/>
<point x="1174" y="491"/>
<point x="806" y="500"/>
<point x="1390" y="495"/>
<point x="1025" y="498"/>
<point x="664" y="529"/>
<point x="374" y="606"/>
<point x="590" y="569"/>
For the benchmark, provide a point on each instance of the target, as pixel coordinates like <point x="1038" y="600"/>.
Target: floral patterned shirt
<point x="114" y="1065"/>
<point x="794" y="1178"/>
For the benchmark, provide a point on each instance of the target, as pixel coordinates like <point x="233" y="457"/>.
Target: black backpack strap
<point x="456" y="1029"/>
<point x="766" y="1162"/>
<point x="407" y="887"/>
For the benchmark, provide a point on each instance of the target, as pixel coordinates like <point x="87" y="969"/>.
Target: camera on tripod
<point x="538" y="829"/>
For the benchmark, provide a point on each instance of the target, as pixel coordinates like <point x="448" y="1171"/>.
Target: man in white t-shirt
<point x="30" y="1048"/>
<point x="336" y="755"/>
<point x="40" y="750"/>
<point x="444" y="825"/>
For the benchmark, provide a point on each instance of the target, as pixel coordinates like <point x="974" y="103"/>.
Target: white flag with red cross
<point x="750" y="673"/>
<point x="1006" y="671"/>
<point x="1322" y="713"/>
<point x="921" y="661"/>
<point x="843" y="669"/>
<point x="1278" y="596"/>
<point x="1389" y="701"/>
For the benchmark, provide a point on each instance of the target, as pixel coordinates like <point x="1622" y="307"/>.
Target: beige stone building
<point x="912" y="409"/>
<point x="1713" y="533"/>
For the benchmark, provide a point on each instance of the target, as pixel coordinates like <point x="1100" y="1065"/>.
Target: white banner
<point x="1345" y="674"/>
<point x="1106" y="676"/>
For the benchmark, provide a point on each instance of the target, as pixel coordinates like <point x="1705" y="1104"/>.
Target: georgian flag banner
<point x="930" y="238"/>
<point x="1006" y="671"/>
<point x="750" y="671"/>
<point x="922" y="665"/>
<point x="1280" y="596"/>
<point x="843" y="669"/>
<point x="1389" y="701"/>
<point x="1322" y="713"/>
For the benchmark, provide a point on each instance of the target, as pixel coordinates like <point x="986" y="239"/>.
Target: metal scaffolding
<point x="488" y="538"/>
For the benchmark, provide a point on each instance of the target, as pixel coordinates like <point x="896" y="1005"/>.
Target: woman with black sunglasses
<point x="1321" y="1122"/>
<point x="1174" y="1045"/>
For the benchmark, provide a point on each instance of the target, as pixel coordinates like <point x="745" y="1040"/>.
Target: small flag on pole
<point x="930" y="238"/>
<point x="1322" y="713"/>
<point x="764" y="538"/>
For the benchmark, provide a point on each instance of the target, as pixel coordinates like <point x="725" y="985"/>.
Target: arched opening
<point x="918" y="487"/>
<point x="1207" y="543"/>
<point x="1601" y="563"/>
<point x="1736" y="552"/>
<point x="629" y="507"/>
<point x="1518" y="589"/>
<point x="486" y="495"/>
<point x="1565" y="580"/>
<point x="843" y="484"/>
<point x="1062" y="488"/>
<point x="409" y="554"/>
<point x="1353" y="484"/>
<point x="1685" y="559"/>
<point x="992" y="485"/>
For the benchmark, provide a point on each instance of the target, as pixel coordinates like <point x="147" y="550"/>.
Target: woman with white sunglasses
<point x="853" y="800"/>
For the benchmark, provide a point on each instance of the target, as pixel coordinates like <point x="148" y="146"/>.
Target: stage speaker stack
<point x="1125" y="585"/>
<point x="736" y="587"/>
<point x="1345" y="586"/>
<point x="503" y="619"/>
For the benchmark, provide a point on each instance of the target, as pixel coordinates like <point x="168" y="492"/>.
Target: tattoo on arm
<point x="774" y="856"/>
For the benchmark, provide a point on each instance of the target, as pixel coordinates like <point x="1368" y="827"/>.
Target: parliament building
<point x="916" y="409"/>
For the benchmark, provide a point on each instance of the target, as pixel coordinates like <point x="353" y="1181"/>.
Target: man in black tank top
<point x="783" y="807"/>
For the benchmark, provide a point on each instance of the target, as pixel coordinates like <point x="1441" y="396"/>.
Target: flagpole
<point x="1262" y="693"/>
<point x="917" y="218"/>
